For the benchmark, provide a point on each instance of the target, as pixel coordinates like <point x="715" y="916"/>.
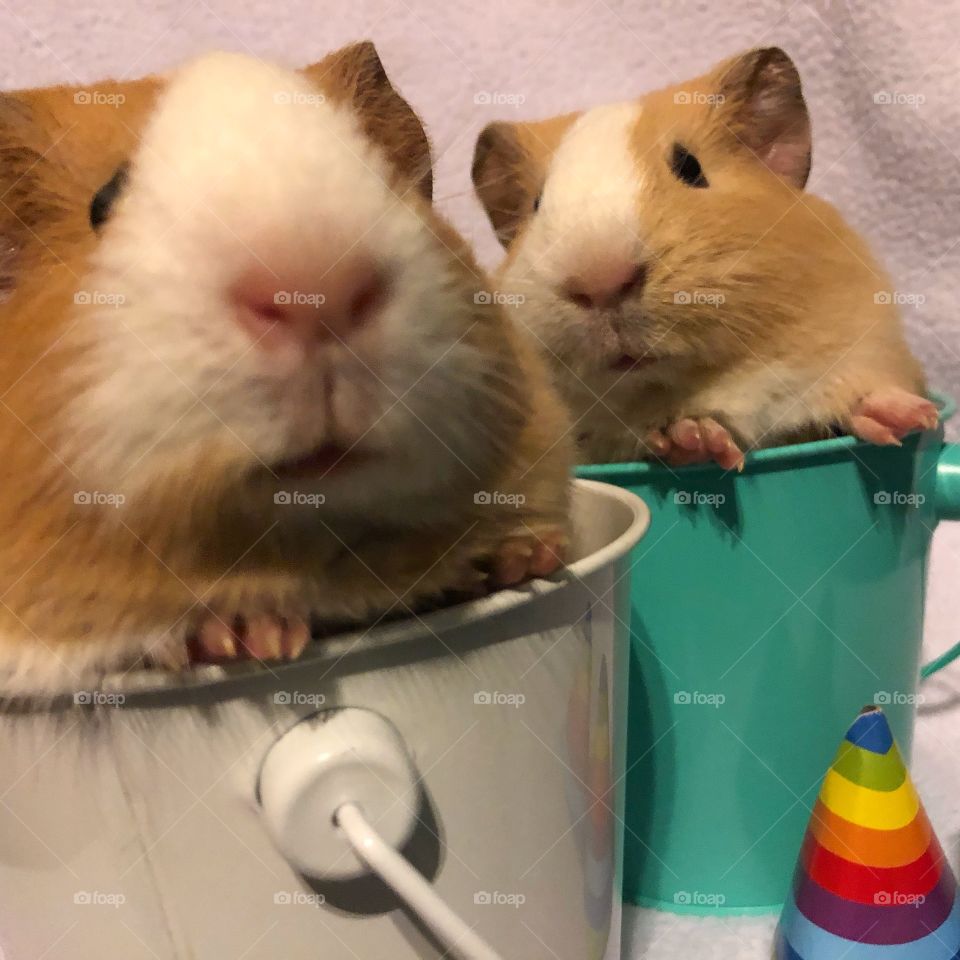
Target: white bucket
<point x="130" y="827"/>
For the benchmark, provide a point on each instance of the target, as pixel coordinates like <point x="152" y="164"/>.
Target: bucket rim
<point x="769" y="458"/>
<point x="144" y="681"/>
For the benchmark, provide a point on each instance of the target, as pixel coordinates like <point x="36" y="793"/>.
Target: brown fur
<point x="800" y="336"/>
<point x="509" y="167"/>
<point x="98" y="580"/>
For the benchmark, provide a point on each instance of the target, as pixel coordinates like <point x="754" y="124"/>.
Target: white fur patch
<point x="245" y="165"/>
<point x="589" y="205"/>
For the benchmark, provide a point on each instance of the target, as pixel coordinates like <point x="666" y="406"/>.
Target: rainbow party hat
<point x="872" y="882"/>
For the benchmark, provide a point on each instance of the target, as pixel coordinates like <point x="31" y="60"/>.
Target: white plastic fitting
<point x="333" y="758"/>
<point x="340" y="797"/>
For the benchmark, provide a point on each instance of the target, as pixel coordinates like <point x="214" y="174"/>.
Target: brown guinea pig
<point x="249" y="376"/>
<point x="694" y="300"/>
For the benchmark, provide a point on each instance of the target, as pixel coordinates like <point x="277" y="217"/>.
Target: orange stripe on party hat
<point x="879" y="848"/>
<point x="877" y="809"/>
<point x="867" y="884"/>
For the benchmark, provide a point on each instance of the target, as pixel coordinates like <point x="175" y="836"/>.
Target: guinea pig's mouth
<point x="627" y="362"/>
<point x="328" y="458"/>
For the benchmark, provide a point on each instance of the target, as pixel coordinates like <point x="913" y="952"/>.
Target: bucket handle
<point x="947" y="507"/>
<point x="397" y="872"/>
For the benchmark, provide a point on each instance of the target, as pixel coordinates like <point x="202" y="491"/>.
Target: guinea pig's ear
<point x="28" y="186"/>
<point x="499" y="165"/>
<point x="355" y="75"/>
<point x="764" y="108"/>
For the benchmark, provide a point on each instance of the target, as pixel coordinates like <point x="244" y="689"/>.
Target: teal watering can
<point x="767" y="608"/>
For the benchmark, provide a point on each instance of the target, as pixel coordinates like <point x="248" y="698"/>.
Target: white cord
<point x="398" y="873"/>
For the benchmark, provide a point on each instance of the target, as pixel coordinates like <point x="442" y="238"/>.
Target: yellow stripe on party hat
<point x="876" y="809"/>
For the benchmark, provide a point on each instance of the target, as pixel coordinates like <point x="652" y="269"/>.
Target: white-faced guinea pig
<point x="694" y="300"/>
<point x="248" y="378"/>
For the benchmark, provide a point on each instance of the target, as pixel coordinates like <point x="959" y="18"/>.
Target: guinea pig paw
<point x="256" y="637"/>
<point x="472" y="584"/>
<point x="885" y="416"/>
<point x="696" y="440"/>
<point x="530" y="553"/>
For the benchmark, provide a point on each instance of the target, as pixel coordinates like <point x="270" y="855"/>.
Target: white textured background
<point x="893" y="169"/>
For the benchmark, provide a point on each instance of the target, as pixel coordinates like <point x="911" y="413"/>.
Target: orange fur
<point x="87" y="586"/>
<point x="803" y="330"/>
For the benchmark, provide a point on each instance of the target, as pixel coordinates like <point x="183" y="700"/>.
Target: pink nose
<point x="605" y="284"/>
<point x="310" y="306"/>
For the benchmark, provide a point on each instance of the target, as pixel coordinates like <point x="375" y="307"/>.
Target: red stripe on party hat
<point x="863" y="883"/>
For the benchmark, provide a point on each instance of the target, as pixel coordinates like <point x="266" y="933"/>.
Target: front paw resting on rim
<point x="695" y="440"/>
<point x="886" y="416"/>
<point x="259" y="636"/>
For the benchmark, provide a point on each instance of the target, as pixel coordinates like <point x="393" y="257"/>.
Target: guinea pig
<point x="249" y="377"/>
<point x="694" y="300"/>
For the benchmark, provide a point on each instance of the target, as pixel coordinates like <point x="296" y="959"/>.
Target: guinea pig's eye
<point x="536" y="202"/>
<point x="686" y="167"/>
<point x="104" y="198"/>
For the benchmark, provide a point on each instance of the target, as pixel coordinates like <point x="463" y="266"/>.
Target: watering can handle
<point x="947" y="505"/>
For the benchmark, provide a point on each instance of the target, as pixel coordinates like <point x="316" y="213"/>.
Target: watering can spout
<point x="948" y="482"/>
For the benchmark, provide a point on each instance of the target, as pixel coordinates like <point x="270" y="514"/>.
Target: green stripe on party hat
<point x="878" y="771"/>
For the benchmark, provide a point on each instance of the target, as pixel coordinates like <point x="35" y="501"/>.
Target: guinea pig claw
<point x="873" y="431"/>
<point x="255" y="637"/>
<point x="529" y="554"/>
<point x="657" y="443"/>
<point x="885" y="416"/>
<point x="512" y="562"/>
<point x="700" y="441"/>
<point x="721" y="445"/>
<point x="169" y="656"/>
<point x="262" y="637"/>
<point x="215" y="640"/>
<point x="295" y="638"/>
<point x="686" y="434"/>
